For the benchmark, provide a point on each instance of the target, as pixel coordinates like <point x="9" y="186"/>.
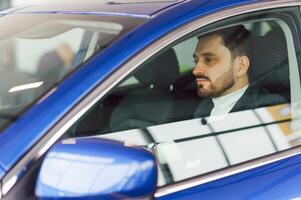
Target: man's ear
<point x="242" y="65"/>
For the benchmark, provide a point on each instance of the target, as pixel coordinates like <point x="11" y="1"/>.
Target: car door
<point x="258" y="162"/>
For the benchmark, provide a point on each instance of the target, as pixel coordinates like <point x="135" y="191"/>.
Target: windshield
<point x="38" y="50"/>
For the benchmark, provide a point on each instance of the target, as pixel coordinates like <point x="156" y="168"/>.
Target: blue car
<point x="109" y="100"/>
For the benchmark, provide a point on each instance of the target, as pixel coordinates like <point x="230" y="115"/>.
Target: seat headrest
<point x="161" y="72"/>
<point x="269" y="62"/>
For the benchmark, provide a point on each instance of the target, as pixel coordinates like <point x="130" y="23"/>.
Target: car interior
<point x="163" y="94"/>
<point x="270" y="69"/>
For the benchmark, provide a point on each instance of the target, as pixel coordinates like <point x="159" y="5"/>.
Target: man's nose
<point x="198" y="69"/>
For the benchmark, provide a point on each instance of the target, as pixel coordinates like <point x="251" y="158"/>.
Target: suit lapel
<point x="204" y="108"/>
<point x="247" y="100"/>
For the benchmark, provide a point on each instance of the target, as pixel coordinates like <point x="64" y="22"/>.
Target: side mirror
<point x="93" y="168"/>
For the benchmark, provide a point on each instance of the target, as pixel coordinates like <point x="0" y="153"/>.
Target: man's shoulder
<point x="257" y="96"/>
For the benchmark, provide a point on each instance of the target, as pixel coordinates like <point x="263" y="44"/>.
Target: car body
<point x="150" y="27"/>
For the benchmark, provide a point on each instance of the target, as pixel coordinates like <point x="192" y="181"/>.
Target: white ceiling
<point x="24" y="2"/>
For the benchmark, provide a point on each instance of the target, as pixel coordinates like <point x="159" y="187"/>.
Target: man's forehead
<point x="212" y="39"/>
<point x="209" y="44"/>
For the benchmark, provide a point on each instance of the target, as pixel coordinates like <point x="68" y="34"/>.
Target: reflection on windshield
<point x="42" y="49"/>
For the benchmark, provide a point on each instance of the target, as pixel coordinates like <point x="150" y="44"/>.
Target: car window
<point x="220" y="96"/>
<point x="43" y="49"/>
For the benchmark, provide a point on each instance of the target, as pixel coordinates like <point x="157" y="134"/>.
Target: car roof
<point x="135" y="8"/>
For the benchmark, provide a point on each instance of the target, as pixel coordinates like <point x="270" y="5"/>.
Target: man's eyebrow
<point x="208" y="54"/>
<point x="204" y="54"/>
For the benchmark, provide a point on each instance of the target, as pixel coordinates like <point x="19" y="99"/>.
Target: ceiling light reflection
<point x="25" y="86"/>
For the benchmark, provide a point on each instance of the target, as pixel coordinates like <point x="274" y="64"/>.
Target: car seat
<point x="153" y="103"/>
<point x="269" y="63"/>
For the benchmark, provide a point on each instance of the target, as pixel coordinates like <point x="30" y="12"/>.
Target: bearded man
<point x="222" y="59"/>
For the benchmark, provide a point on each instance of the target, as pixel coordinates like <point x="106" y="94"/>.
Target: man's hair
<point x="235" y="38"/>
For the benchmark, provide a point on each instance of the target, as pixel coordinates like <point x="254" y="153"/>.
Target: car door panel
<point x="277" y="180"/>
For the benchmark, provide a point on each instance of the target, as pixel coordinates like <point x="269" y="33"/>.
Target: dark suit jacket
<point x="254" y="97"/>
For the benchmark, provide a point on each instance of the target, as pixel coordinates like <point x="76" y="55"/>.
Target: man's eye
<point x="208" y="59"/>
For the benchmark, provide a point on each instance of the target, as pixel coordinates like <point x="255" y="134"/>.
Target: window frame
<point x="58" y="130"/>
<point x="290" y="35"/>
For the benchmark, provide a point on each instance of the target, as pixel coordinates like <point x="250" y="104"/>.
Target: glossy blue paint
<point x="27" y="130"/>
<point x="279" y="180"/>
<point x="92" y="168"/>
<point x="2" y="172"/>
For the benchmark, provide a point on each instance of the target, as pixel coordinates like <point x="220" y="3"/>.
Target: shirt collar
<point x="229" y="99"/>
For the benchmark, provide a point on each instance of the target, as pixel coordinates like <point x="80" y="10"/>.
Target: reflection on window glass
<point x="188" y="148"/>
<point x="39" y="52"/>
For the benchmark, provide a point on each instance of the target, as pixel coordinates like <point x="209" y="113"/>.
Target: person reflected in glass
<point x="55" y="64"/>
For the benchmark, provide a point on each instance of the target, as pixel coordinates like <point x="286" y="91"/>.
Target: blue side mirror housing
<point x="93" y="168"/>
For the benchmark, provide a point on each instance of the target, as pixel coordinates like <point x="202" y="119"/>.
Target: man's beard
<point x="219" y="87"/>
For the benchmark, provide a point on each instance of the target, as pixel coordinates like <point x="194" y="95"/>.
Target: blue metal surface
<point x="279" y="180"/>
<point x="2" y="172"/>
<point x="96" y="169"/>
<point x="27" y="130"/>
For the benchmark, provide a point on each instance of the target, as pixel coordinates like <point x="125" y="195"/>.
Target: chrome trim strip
<point x="66" y="122"/>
